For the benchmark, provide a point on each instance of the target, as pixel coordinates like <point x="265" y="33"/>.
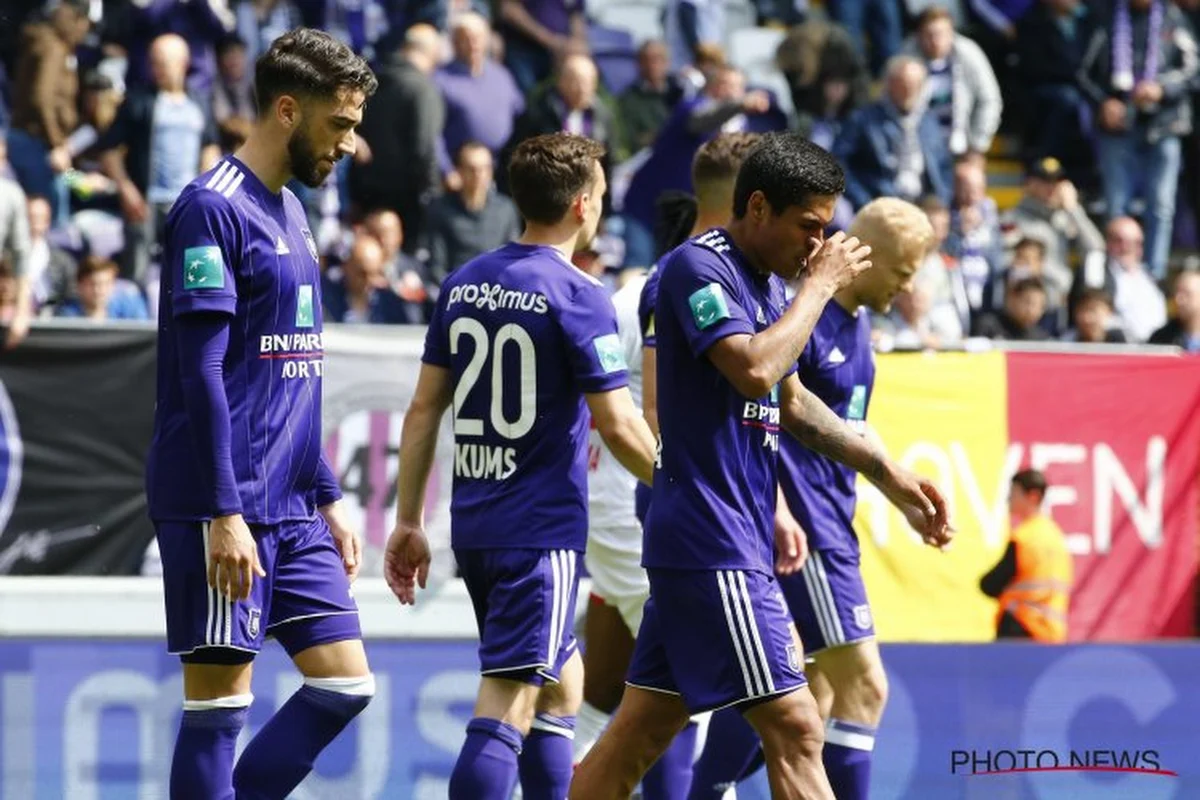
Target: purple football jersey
<point x="647" y="302"/>
<point x="526" y="334"/>
<point x="234" y="247"/>
<point x="713" y="501"/>
<point x="838" y="366"/>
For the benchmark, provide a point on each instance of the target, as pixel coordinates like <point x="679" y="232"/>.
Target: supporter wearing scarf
<point x="1123" y="49"/>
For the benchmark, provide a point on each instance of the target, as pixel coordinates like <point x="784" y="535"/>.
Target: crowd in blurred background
<point x="1050" y="142"/>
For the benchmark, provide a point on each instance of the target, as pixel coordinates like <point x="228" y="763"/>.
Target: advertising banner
<point x="91" y="720"/>
<point x="1119" y="440"/>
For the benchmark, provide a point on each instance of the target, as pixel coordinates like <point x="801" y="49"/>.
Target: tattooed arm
<point x="805" y="417"/>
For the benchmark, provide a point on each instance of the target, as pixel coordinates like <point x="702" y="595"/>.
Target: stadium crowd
<point x="110" y="107"/>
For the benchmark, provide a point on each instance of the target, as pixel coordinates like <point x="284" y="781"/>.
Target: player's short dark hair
<point x="932" y="14"/>
<point x="789" y="170"/>
<point x="718" y="160"/>
<point x="311" y="64"/>
<point x="546" y="173"/>
<point x="1031" y="480"/>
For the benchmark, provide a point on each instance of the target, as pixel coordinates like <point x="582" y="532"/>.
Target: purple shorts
<point x="828" y="600"/>
<point x="716" y="638"/>
<point x="303" y="601"/>
<point x="524" y="604"/>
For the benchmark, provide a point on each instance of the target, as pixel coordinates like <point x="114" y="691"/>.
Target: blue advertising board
<point x="95" y="721"/>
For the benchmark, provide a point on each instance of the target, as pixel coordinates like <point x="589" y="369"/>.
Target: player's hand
<point x="838" y="260"/>
<point x="348" y="541"/>
<point x="232" y="557"/>
<point x="791" y="545"/>
<point x="922" y="505"/>
<point x="406" y="562"/>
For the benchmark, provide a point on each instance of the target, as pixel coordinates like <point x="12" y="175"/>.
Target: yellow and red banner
<point x="1118" y="438"/>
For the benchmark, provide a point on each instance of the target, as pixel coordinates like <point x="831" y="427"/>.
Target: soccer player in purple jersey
<point x="716" y="631"/>
<point x="827" y="597"/>
<point x="524" y="345"/>
<point x="245" y="506"/>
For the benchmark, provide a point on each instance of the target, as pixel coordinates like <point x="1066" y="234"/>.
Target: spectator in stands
<point x="643" y="108"/>
<point x="45" y="94"/>
<point x="160" y="141"/>
<point x="917" y="323"/>
<point x="536" y="32"/>
<point x="724" y="107"/>
<point x="260" y="22"/>
<point x="879" y="20"/>
<point x="941" y="271"/>
<point x="1184" y="328"/>
<point x="1094" y="322"/>
<point x="1029" y="261"/>
<point x="359" y="292"/>
<point x="50" y="269"/>
<point x="1049" y="211"/>
<point x="827" y="76"/>
<point x="1050" y="41"/>
<point x="77" y="159"/>
<point x="1121" y="272"/>
<point x="444" y="15"/>
<point x="893" y="147"/>
<point x="1020" y="319"/>
<point x="96" y="295"/>
<point x="1138" y="70"/>
<point x="975" y="233"/>
<point x="472" y="220"/>
<point x="15" y="248"/>
<point x="9" y="293"/>
<point x="961" y="87"/>
<point x="403" y="126"/>
<point x="407" y="276"/>
<point x="233" y="107"/>
<point x="1032" y="581"/>
<point x="482" y="100"/>
<point x="691" y="25"/>
<point x="202" y="25"/>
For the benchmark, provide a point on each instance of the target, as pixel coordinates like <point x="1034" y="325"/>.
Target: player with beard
<point x="525" y="344"/>
<point x="827" y="598"/>
<point x="245" y="506"/>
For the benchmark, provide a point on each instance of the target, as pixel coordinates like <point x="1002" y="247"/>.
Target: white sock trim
<point x="542" y="725"/>
<point x="851" y="739"/>
<point x="363" y="686"/>
<point x="233" y="701"/>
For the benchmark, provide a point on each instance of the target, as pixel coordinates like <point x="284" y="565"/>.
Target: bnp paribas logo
<point x="304" y="306"/>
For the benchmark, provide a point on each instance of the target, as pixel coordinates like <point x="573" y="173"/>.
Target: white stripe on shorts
<point x="758" y="645"/>
<point x="743" y="629"/>
<point x="819" y="592"/>
<point x="734" y="634"/>
<point x="556" y="582"/>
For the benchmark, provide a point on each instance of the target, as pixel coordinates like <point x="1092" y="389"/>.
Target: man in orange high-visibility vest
<point x="1033" y="579"/>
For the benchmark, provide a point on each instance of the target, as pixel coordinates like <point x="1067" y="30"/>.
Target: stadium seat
<point x="643" y="20"/>
<point x="615" y="54"/>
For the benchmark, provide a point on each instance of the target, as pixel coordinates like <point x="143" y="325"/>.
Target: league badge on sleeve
<point x="708" y="305"/>
<point x="608" y="350"/>
<point x="203" y="268"/>
<point x="304" y="306"/>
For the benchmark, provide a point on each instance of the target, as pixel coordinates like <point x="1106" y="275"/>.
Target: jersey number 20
<point x="510" y="334"/>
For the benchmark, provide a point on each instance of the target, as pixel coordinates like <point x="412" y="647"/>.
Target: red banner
<point x="1119" y="440"/>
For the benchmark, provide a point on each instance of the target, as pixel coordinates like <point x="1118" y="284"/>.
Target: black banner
<point x="76" y="412"/>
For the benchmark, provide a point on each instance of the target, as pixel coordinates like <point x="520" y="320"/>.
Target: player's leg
<point x="216" y="640"/>
<point x="608" y="643"/>
<point x="524" y="605"/>
<point x="819" y="685"/>
<point x="731" y="753"/>
<point x="790" y="729"/>
<point x="835" y="612"/>
<point x="547" y="759"/>
<point x="315" y="619"/>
